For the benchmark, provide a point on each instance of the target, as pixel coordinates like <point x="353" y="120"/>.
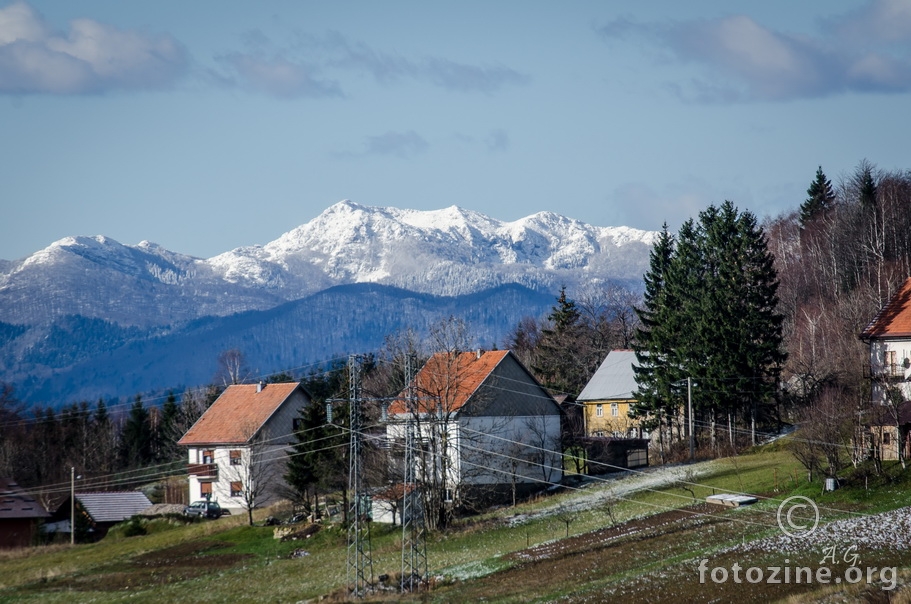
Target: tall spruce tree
<point x="656" y="338"/>
<point x="710" y="314"/>
<point x="556" y="367"/>
<point x="136" y="446"/>
<point x="820" y="199"/>
<point x="864" y="184"/>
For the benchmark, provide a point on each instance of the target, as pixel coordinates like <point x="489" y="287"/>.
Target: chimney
<point x="479" y="354"/>
<point x="260" y="385"/>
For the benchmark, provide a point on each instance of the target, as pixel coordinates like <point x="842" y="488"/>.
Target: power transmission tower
<point x="414" y="546"/>
<point x="360" y="563"/>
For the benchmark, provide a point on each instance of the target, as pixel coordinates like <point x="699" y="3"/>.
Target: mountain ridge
<point x="446" y="252"/>
<point x="73" y="312"/>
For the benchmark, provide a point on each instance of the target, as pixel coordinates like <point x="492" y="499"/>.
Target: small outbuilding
<point x="98" y="512"/>
<point x="20" y="515"/>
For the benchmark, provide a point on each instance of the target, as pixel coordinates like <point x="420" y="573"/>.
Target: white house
<point x="889" y="337"/>
<point x="481" y="425"/>
<point x="236" y="449"/>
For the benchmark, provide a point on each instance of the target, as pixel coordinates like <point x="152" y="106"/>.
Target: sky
<point x="204" y="126"/>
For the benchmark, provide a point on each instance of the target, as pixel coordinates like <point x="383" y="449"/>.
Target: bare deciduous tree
<point x="232" y="367"/>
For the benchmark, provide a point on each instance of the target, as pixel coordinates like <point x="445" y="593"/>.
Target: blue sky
<point x="204" y="126"/>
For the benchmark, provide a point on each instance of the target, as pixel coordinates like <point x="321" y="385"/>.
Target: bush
<point x="134" y="527"/>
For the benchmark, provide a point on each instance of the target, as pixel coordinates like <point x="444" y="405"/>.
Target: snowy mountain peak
<point x="349" y="242"/>
<point x="449" y="251"/>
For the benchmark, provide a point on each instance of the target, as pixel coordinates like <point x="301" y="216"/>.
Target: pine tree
<point x="136" y="446"/>
<point x="169" y="431"/>
<point x="103" y="444"/>
<point x="318" y="460"/>
<point x="302" y="467"/>
<point x="820" y="199"/>
<point x="655" y="340"/>
<point x="865" y="185"/>
<point x="562" y="352"/>
<point x="741" y="339"/>
<point x="709" y="314"/>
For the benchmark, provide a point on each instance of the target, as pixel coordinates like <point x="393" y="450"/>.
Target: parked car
<point x="203" y="509"/>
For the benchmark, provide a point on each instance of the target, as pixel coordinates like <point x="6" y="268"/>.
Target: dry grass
<point x="651" y="555"/>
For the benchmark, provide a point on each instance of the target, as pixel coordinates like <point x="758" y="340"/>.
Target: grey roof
<point x="113" y="507"/>
<point x="16" y="503"/>
<point x="614" y="379"/>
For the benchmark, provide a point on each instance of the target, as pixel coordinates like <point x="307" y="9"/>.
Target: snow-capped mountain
<point x="442" y="252"/>
<point x="89" y="317"/>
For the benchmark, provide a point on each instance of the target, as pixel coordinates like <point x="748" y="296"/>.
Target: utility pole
<point x="689" y="398"/>
<point x="414" y="546"/>
<point x="72" y="505"/>
<point x="360" y="563"/>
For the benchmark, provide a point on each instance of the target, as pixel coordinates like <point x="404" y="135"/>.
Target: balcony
<point x="893" y="371"/>
<point x="203" y="471"/>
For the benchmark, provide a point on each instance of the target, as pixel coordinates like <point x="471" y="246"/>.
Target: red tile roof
<point x="449" y="380"/>
<point x="894" y="320"/>
<point x="237" y="414"/>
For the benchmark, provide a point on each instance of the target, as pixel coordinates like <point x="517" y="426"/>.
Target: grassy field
<point x="637" y="538"/>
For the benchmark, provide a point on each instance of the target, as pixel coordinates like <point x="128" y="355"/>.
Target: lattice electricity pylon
<point x="360" y="563"/>
<point x="414" y="546"/>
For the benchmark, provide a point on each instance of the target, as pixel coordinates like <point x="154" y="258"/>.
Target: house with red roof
<point x="236" y="450"/>
<point x="481" y="427"/>
<point x="889" y="337"/>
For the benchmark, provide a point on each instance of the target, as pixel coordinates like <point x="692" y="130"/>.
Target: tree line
<point x="840" y="257"/>
<point x="106" y="444"/>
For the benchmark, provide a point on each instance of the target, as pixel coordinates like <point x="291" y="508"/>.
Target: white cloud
<point x="864" y="51"/>
<point x="388" y="67"/>
<point x="90" y="58"/>
<point x="276" y="76"/>
<point x="883" y="21"/>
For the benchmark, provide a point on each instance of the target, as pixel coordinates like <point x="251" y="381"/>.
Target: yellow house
<point x="608" y="397"/>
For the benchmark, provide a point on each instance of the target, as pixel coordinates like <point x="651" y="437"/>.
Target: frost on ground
<point x="617" y="486"/>
<point x="884" y="531"/>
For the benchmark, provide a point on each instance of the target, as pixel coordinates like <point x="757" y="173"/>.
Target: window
<point x="208" y="456"/>
<point x="235" y="457"/>
<point x="205" y="489"/>
<point x="237" y="489"/>
<point x="297" y="424"/>
<point x="599" y="410"/>
<point x="614" y="410"/>
<point x="887" y="438"/>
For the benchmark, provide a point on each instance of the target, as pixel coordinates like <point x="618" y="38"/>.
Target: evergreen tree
<point x="136" y="446"/>
<point x="318" y="461"/>
<point x="304" y="460"/>
<point x="709" y="314"/>
<point x="562" y="352"/>
<point x="739" y="354"/>
<point x="820" y="199"/>
<point x="656" y="338"/>
<point x="865" y="185"/>
<point x="169" y="431"/>
<point x="103" y="443"/>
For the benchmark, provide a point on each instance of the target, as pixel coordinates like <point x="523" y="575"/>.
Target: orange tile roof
<point x="239" y="411"/>
<point x="449" y="380"/>
<point x="894" y="320"/>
